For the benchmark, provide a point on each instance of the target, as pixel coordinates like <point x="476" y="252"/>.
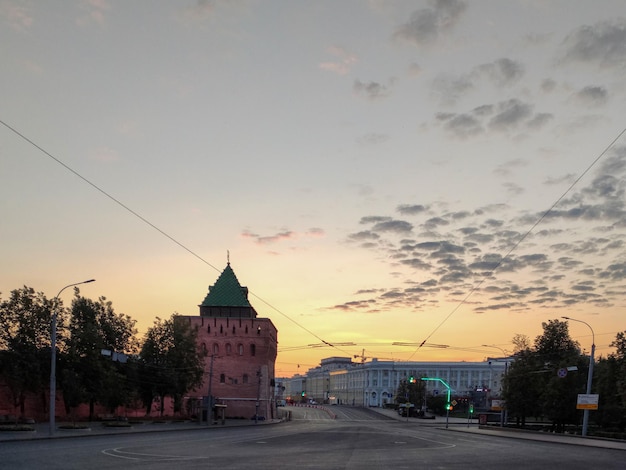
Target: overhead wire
<point x="518" y="243"/>
<point x="150" y="224"/>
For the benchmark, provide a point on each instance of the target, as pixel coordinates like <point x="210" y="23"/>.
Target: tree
<point x="559" y="395"/>
<point x="25" y="343"/>
<point x="171" y="363"/>
<point x="522" y="386"/>
<point x="94" y="326"/>
<point x="620" y="358"/>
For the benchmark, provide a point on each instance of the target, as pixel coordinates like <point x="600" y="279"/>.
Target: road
<point x="355" y="439"/>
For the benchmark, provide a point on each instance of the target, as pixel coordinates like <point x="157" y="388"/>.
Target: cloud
<point x="461" y="125"/>
<point x="427" y="25"/>
<point x="451" y="89"/>
<point x="284" y="235"/>
<point x="411" y="209"/>
<point x="603" y="43"/>
<point x="510" y="114"/>
<point x="592" y="96"/>
<point x="372" y="90"/>
<point x="343" y="62"/>
<point x="502" y="72"/>
<point x="397" y="226"/>
<point x="564" y="261"/>
<point x="504" y="116"/>
<point x="373" y="138"/>
<point x="18" y="16"/>
<point x="94" y="12"/>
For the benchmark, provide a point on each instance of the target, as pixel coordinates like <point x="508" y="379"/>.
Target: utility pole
<point x="210" y="397"/>
<point x="258" y="396"/>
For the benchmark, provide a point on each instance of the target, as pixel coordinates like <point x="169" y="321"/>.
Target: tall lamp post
<point x="589" y="374"/>
<point x="503" y="417"/>
<point x="53" y="353"/>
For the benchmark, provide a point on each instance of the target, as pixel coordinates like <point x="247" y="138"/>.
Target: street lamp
<point x="503" y="412"/>
<point x="53" y="353"/>
<point x="589" y="374"/>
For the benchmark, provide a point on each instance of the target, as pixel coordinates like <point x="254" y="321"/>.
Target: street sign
<point x="587" y="401"/>
<point x="497" y="405"/>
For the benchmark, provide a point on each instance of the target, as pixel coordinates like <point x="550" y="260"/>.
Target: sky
<point x="379" y="174"/>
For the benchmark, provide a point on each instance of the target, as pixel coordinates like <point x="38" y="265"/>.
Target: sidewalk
<point x="461" y="425"/>
<point x="42" y="430"/>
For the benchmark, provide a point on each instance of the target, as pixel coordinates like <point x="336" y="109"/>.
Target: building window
<point x="222" y="378"/>
<point x="221" y="329"/>
<point x="208" y="329"/>
<point x="228" y="349"/>
<point x="216" y="348"/>
<point x="234" y="329"/>
<point x="246" y="329"/>
<point x="240" y="349"/>
<point x="204" y="348"/>
<point x="245" y="378"/>
<point x="253" y="349"/>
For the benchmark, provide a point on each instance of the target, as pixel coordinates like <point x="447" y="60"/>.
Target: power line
<point x="147" y="222"/>
<point x="530" y="230"/>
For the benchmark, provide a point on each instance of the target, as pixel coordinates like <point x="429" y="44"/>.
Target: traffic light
<point x="411" y="379"/>
<point x="303" y="393"/>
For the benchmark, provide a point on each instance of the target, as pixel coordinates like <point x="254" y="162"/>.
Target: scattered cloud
<point x="502" y="72"/>
<point x="592" y="96"/>
<point x="372" y="90"/>
<point x="428" y="25"/>
<point x="603" y="43"/>
<point x="373" y="138"/>
<point x="461" y="251"/>
<point x="343" y="62"/>
<point x="94" y="11"/>
<point x="285" y="235"/>
<point x="18" y="16"/>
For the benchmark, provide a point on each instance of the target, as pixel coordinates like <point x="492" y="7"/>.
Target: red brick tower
<point x="241" y="350"/>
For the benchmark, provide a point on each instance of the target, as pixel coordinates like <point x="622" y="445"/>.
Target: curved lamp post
<point x="590" y="373"/>
<point x="53" y="353"/>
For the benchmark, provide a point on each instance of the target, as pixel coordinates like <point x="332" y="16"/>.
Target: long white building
<point x="339" y="380"/>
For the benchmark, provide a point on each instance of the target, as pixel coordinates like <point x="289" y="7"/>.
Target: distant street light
<point x="53" y="353"/>
<point x="503" y="412"/>
<point x="589" y="374"/>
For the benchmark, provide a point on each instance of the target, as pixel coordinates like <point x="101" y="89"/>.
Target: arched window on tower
<point x="240" y="349"/>
<point x="245" y="378"/>
<point x="228" y="349"/>
<point x="216" y="348"/>
<point x="222" y="378"/>
<point x="253" y="349"/>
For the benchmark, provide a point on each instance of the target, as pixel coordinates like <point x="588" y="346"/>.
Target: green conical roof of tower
<point x="226" y="292"/>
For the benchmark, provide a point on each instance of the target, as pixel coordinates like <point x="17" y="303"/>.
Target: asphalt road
<point x="355" y="439"/>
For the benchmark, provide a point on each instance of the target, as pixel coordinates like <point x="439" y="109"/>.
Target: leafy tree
<point x="522" y="386"/>
<point x="610" y="383"/>
<point x="25" y="343"/>
<point x="171" y="363"/>
<point x="559" y="394"/>
<point x="532" y="385"/>
<point x="620" y="358"/>
<point x="94" y="326"/>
